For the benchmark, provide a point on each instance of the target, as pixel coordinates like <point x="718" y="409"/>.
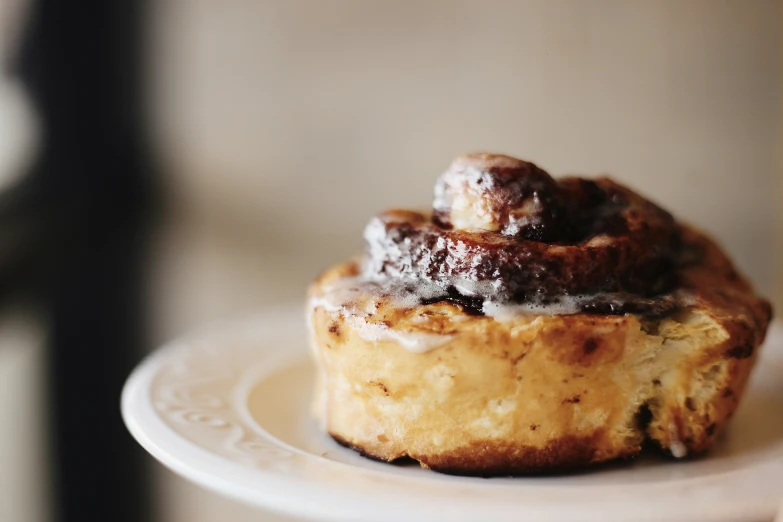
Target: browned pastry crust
<point x="533" y="392"/>
<point x="610" y="240"/>
<point x="407" y="244"/>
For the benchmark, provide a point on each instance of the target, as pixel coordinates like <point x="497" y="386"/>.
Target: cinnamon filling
<point x="503" y="231"/>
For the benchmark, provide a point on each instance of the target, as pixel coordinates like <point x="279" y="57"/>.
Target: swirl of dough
<point x="502" y="194"/>
<point x="503" y="229"/>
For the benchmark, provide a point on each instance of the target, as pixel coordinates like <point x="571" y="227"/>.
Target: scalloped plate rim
<point x="325" y="489"/>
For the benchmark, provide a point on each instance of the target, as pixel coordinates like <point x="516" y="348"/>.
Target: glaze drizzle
<point x="503" y="230"/>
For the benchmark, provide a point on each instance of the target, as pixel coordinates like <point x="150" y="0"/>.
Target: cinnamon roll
<point x="527" y="324"/>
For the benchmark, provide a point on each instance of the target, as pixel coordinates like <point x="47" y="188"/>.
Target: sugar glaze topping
<point x="504" y="238"/>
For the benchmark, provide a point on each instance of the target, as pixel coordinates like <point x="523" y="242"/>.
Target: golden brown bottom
<point x="534" y="393"/>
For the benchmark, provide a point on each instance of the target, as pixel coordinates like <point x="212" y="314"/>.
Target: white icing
<point x="676" y="446"/>
<point x="416" y="342"/>
<point x="523" y="216"/>
<point x="376" y="242"/>
<point x="465" y="193"/>
<point x="566" y="305"/>
<point x="474" y="288"/>
<point x="356" y="299"/>
<point x="686" y="298"/>
<point x="460" y="191"/>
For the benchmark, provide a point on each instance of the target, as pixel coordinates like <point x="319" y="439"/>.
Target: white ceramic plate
<point x="229" y="410"/>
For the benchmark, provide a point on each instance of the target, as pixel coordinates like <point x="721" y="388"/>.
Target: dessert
<point x="527" y="325"/>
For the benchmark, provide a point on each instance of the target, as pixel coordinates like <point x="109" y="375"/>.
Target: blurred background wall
<point x="282" y="126"/>
<point x="305" y="118"/>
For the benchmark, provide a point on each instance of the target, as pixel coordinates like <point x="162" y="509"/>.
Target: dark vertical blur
<point x="81" y="221"/>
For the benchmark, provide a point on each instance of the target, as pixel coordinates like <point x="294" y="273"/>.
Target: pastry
<point x="528" y="325"/>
